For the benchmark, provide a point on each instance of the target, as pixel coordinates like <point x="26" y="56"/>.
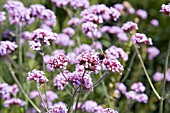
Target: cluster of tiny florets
<point x="165" y="9"/>
<point x="140" y="38"/>
<point x="59" y="61"/>
<point x="89" y="61"/>
<point x="37" y="75"/>
<point x="7" y="47"/>
<point x="129" y="26"/>
<point x="40" y="37"/>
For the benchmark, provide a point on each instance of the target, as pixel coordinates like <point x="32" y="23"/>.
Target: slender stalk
<point x="77" y="103"/>
<point x="67" y="79"/>
<point x="42" y="98"/>
<point x="105" y="90"/>
<point x="164" y="81"/>
<point x="16" y="80"/>
<point x="129" y="68"/>
<point x="99" y="81"/>
<point x="72" y="99"/>
<point x="146" y="73"/>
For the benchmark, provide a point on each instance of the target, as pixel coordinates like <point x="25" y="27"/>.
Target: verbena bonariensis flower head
<point x="2" y="16"/>
<point x="138" y="87"/>
<point x="119" y="6"/>
<point x="89" y="29"/>
<point x="7" y="90"/>
<point x="112" y="65"/>
<point x="158" y="76"/>
<point x="140" y="38"/>
<point x="46" y="27"/>
<point x="79" y="4"/>
<point x="33" y="94"/>
<point x="41" y="37"/>
<point x="165" y="9"/>
<point x="96" y="45"/>
<point x="114" y="52"/>
<point x="121" y="87"/>
<point x="83" y="48"/>
<point x="18" y="14"/>
<point x="74" y="21"/>
<point x="50" y="95"/>
<point x="89" y="106"/>
<point x="129" y="26"/>
<point x="38" y="76"/>
<point x="7" y="47"/>
<point x="14" y="101"/>
<point x="64" y="40"/>
<point x="154" y="22"/>
<point x="59" y="61"/>
<point x="36" y="9"/>
<point x="131" y="95"/>
<point x="69" y="31"/>
<point x="143" y="98"/>
<point x="72" y="56"/>
<point x="142" y="13"/>
<point x="152" y="52"/>
<point x="89" y="61"/>
<point x="60" y="3"/>
<point x="48" y="16"/>
<point x="109" y="110"/>
<point x="79" y="78"/>
<point x="59" y="107"/>
<point x="59" y="80"/>
<point x="114" y="13"/>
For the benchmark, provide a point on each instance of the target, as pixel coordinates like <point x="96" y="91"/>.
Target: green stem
<point x="42" y="98"/>
<point x="72" y="99"/>
<point x="77" y="102"/>
<point x="105" y="90"/>
<point x="164" y="81"/>
<point x="146" y="73"/>
<point x="16" y="80"/>
<point x="129" y="68"/>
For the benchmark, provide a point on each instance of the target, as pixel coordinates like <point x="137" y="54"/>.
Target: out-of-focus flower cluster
<point x="7" y="47"/>
<point x="19" y="14"/>
<point x="2" y="16"/>
<point x="39" y="37"/>
<point x="73" y="3"/>
<point x="157" y="76"/>
<point x="140" y="38"/>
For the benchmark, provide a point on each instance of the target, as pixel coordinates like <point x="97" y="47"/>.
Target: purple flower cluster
<point x="154" y="22"/>
<point x="89" y="29"/>
<point x="33" y="94"/>
<point x="142" y="13"/>
<point x="119" y="6"/>
<point x="112" y="65"/>
<point x="40" y="37"/>
<point x="89" y="61"/>
<point x="98" y="13"/>
<point x="18" y="14"/>
<point x="109" y="110"/>
<point x="7" y="90"/>
<point x="121" y="87"/>
<point x="152" y="52"/>
<point x="138" y="87"/>
<point x="74" y="21"/>
<point x="37" y="75"/>
<point x="137" y="93"/>
<point x="129" y="26"/>
<point x="114" y="52"/>
<point x="57" y="61"/>
<point x="91" y="106"/>
<point x="2" y="16"/>
<point x="59" y="107"/>
<point x="64" y="40"/>
<point x="14" y="101"/>
<point x="165" y="9"/>
<point x="160" y="76"/>
<point x="69" y="31"/>
<point x="7" y="47"/>
<point x="79" y="78"/>
<point x="73" y="3"/>
<point x="115" y="30"/>
<point x="140" y="38"/>
<point x="83" y="48"/>
<point x="59" y="80"/>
